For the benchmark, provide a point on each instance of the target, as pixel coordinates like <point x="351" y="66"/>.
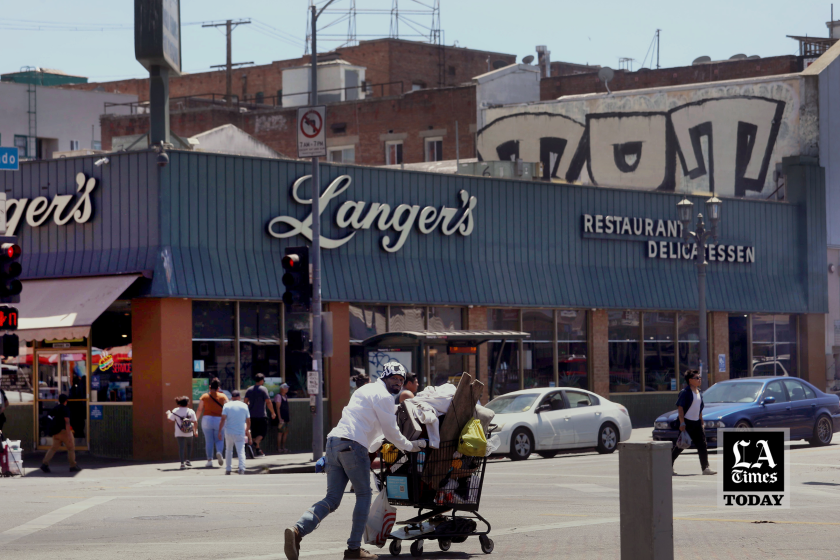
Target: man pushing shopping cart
<point x="368" y="416"/>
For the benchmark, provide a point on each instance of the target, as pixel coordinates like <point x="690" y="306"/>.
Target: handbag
<point x="472" y="442"/>
<point x="684" y="441"/>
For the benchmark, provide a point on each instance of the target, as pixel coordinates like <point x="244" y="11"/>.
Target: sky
<point x="95" y="38"/>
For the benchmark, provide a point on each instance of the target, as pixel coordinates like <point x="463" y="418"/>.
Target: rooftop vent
<point x="701" y="60"/>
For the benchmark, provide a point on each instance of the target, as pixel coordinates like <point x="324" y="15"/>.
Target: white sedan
<point x="548" y="420"/>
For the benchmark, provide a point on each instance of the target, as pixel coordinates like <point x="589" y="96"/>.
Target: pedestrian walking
<point x="410" y="387"/>
<point x="281" y="403"/>
<point x="259" y="401"/>
<point x="368" y="416"/>
<point x="690" y="408"/>
<point x="62" y="433"/>
<point x="185" y="428"/>
<point x="236" y="426"/>
<point x="210" y="414"/>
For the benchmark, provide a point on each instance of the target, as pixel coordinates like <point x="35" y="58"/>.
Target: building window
<point x="434" y="149"/>
<point x="572" y="351"/>
<point x="259" y="344"/>
<point x="688" y="331"/>
<point x="96" y="144"/>
<point x="393" y="153"/>
<point x="774" y="345"/>
<point x="445" y="319"/>
<point x="417" y="86"/>
<point x="407" y="319"/>
<point x="343" y="154"/>
<point x="538" y="354"/>
<point x="214" y="351"/>
<point x="279" y="99"/>
<point x="74" y="144"/>
<point x="625" y="363"/>
<point x="260" y="97"/>
<point x="452" y="71"/>
<point x="111" y="355"/>
<point x="20" y="144"/>
<point x="660" y="360"/>
<point x="505" y="378"/>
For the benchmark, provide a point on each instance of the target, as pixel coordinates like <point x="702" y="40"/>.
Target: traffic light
<point x="11" y="346"/>
<point x="296" y="278"/>
<point x="10" y="269"/>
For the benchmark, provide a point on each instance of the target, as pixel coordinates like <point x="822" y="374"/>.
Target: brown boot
<point x="360" y="553"/>
<point x="292" y="546"/>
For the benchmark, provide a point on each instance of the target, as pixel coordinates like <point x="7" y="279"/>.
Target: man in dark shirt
<point x="258" y="401"/>
<point x="61" y="432"/>
<point x="281" y="401"/>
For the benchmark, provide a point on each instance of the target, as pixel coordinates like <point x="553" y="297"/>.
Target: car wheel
<point x="547" y="454"/>
<point x="743" y="426"/>
<point x="823" y="432"/>
<point x="521" y="445"/>
<point x="607" y="438"/>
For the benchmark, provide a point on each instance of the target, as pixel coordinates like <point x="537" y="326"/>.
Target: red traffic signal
<point x="296" y="278"/>
<point x="10" y="269"/>
<point x="10" y="250"/>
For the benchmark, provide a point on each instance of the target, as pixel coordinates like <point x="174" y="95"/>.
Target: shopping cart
<point x="445" y="485"/>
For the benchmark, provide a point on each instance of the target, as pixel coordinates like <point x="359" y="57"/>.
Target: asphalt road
<point x="566" y="507"/>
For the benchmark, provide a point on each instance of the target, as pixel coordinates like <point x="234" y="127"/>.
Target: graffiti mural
<point x="726" y="144"/>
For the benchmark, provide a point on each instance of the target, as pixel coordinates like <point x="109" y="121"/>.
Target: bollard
<point x="646" y="501"/>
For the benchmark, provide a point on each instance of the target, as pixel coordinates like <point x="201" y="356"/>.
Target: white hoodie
<point x="371" y="414"/>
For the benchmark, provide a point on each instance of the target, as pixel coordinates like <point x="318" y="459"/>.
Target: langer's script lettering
<point x="38" y="210"/>
<point x="360" y="215"/>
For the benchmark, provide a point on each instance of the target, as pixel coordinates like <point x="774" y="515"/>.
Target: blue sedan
<point x="762" y="402"/>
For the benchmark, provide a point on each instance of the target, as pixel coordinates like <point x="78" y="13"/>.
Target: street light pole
<point x="699" y="237"/>
<point x="317" y="351"/>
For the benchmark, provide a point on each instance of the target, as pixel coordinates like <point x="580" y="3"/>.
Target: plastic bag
<point x="684" y="441"/>
<point x="492" y="445"/>
<point x="380" y="521"/>
<point x="472" y="442"/>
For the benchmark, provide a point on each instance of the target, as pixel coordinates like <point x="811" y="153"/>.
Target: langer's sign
<point x="39" y="209"/>
<point x="361" y="215"/>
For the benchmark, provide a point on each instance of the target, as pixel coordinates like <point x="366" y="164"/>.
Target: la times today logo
<point x="755" y="470"/>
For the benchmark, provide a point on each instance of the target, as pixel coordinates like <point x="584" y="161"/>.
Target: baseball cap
<point x="393" y="368"/>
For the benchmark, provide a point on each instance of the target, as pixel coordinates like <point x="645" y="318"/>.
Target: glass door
<point x="63" y="373"/>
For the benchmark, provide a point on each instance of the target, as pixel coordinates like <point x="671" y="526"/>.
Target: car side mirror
<point x="769" y="400"/>
<point x="543" y="408"/>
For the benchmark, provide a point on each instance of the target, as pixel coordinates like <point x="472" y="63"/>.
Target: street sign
<point x="8" y="318"/>
<point x="312" y="138"/>
<point x="9" y="159"/>
<point x="313" y="382"/>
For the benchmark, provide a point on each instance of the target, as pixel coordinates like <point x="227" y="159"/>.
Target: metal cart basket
<point x="444" y="484"/>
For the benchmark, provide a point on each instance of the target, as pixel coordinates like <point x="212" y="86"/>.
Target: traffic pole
<point x="317" y="354"/>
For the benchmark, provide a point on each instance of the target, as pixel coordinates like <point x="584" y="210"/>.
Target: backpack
<point x="186" y="424"/>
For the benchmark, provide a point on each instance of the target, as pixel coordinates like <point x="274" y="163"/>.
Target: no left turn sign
<point x="311" y="137"/>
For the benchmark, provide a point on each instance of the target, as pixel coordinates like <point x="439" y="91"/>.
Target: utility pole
<point x="657" y="49"/>
<point x="317" y="351"/>
<point x="229" y="25"/>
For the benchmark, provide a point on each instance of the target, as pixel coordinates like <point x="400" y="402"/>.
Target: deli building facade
<point x="143" y="282"/>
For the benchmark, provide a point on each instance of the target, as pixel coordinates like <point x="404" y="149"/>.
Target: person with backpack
<point x="185" y="428"/>
<point x="210" y="413"/>
<point x="58" y="424"/>
<point x="259" y="401"/>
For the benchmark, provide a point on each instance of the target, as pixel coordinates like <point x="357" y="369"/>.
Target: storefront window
<point x="572" y="349"/>
<point x="259" y="344"/>
<point x="367" y="321"/>
<point x="111" y="355"/>
<point x="298" y="348"/>
<point x="407" y="319"/>
<point x="688" y="331"/>
<point x="505" y="378"/>
<point x="660" y="365"/>
<point x="739" y="346"/>
<point x="214" y="353"/>
<point x="445" y="319"/>
<point x="625" y="364"/>
<point x="538" y="352"/>
<point x="774" y="345"/>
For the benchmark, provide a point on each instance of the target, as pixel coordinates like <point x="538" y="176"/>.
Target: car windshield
<point x="513" y="403"/>
<point x="733" y="392"/>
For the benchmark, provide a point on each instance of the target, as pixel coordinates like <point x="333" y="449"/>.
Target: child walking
<point x="185" y="428"/>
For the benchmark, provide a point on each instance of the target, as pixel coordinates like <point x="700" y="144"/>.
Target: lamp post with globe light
<point x="699" y="236"/>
